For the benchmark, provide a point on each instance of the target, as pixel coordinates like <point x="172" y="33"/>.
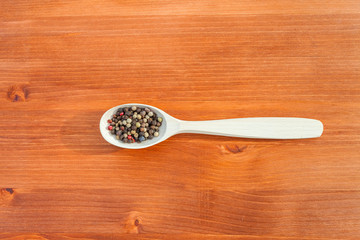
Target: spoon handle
<point x="262" y="127"/>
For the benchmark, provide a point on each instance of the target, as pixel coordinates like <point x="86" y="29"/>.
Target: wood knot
<point x="6" y="195"/>
<point x="133" y="223"/>
<point x="235" y="148"/>
<point x="18" y="93"/>
<point x="137" y="222"/>
<point x="9" y="190"/>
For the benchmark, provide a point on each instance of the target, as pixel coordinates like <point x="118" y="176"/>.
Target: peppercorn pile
<point x="134" y="124"/>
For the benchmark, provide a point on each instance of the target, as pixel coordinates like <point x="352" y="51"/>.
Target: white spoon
<point x="259" y="127"/>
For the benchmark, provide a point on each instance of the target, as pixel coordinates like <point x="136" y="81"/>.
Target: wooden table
<point x="64" y="63"/>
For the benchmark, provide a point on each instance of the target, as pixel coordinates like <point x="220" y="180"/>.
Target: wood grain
<point x="64" y="63"/>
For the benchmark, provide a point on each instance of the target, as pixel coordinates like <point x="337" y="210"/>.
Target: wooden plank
<point x="63" y="64"/>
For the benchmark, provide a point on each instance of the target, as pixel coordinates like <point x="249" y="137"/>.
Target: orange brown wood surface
<point x="64" y="63"/>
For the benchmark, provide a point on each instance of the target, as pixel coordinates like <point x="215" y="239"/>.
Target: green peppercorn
<point x="124" y="122"/>
<point x="151" y="114"/>
<point x="133" y="131"/>
<point x="133" y="108"/>
<point x="138" y="124"/>
<point x="128" y="120"/>
<point x="147" y="117"/>
<point x="146" y="134"/>
<point x="159" y="119"/>
<point x="156" y="134"/>
<point x="145" y="120"/>
<point x="139" y="116"/>
<point x="128" y="125"/>
<point x="136" y="135"/>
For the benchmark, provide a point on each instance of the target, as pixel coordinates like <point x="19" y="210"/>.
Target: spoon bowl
<point x="166" y="130"/>
<point x="256" y="127"/>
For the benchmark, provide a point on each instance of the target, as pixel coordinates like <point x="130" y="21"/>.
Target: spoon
<point x="257" y="127"/>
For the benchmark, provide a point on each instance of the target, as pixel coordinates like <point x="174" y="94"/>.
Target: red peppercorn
<point x="129" y="137"/>
<point x="110" y="127"/>
<point x="109" y="121"/>
<point x="122" y="113"/>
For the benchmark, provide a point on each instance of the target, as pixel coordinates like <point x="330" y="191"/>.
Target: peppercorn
<point x="129" y="124"/>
